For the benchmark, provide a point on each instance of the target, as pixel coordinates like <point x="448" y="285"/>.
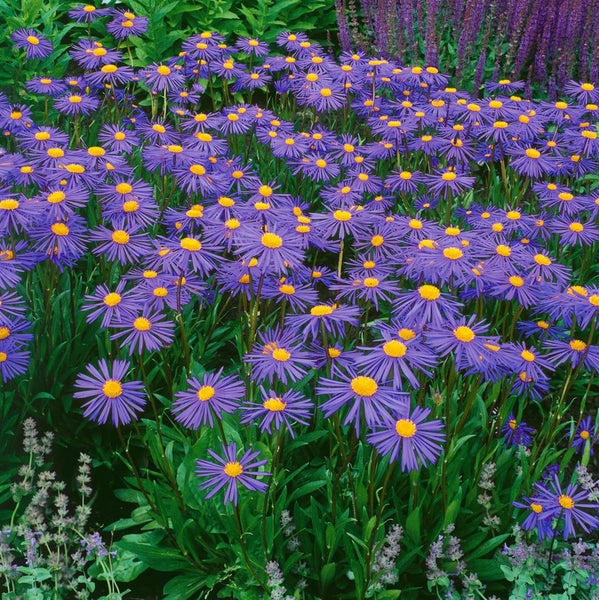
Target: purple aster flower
<point x="117" y="138"/>
<point x="448" y="183"/>
<point x="277" y="355"/>
<point x="516" y="433"/>
<point x="586" y="434"/>
<point x="108" y="395"/>
<point x="76" y="104"/>
<point x="13" y="360"/>
<point x="364" y="397"/>
<point x="14" y="333"/>
<point x="277" y="410"/>
<point x="162" y="77"/>
<point x="574" y="351"/>
<point x="11" y="305"/>
<point x="537" y="518"/>
<point x="113" y="306"/>
<point x="409" y="434"/>
<point x="464" y="338"/>
<point x="34" y="44"/>
<point x="61" y="241"/>
<point x="86" y="13"/>
<point x="125" y="24"/>
<point x="46" y="86"/>
<point x="230" y="472"/>
<point x="370" y="289"/>
<point x="298" y="296"/>
<point x="206" y="398"/>
<point x="125" y="246"/>
<point x="317" y="167"/>
<point x="568" y="505"/>
<point x="91" y="54"/>
<point x="332" y="318"/>
<point x="400" y="353"/>
<point x="111" y="74"/>
<point x="276" y="250"/>
<point x="252" y="46"/>
<point x="575" y="232"/>
<point x="145" y="332"/>
<point x="425" y="305"/>
<point x="531" y="162"/>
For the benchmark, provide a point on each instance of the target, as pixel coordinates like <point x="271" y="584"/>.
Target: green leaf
<point x="327" y="574"/>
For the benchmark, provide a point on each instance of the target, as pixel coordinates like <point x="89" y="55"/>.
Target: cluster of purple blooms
<point x="239" y="235"/>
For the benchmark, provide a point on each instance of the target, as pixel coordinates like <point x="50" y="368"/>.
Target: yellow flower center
<point x="274" y="404"/>
<point x="190" y="244"/>
<point x="158" y="128"/>
<point x="429" y="292"/>
<point x="464" y="334"/>
<point x="42" y="136"/>
<point x="281" y="354"/>
<point x="206" y="392"/>
<point x="394" y="349"/>
<point x="566" y="502"/>
<point x="4" y="333"/>
<point x="405" y="428"/>
<point x="452" y="253"/>
<point x="233" y="469"/>
<point x="527" y="355"/>
<point x="532" y="153"/>
<point x="9" y="204"/>
<point x="112" y="388"/>
<point x="123" y="188"/>
<point x="516" y="281"/>
<point x="584" y="434"/>
<point x="321" y="163"/>
<point x="271" y="240"/>
<point x="142" y="324"/>
<point x="503" y="250"/>
<point x="33" y="40"/>
<point x="112" y="299"/>
<point x="576" y="227"/>
<point x="130" y="206"/>
<point x="321" y="310"/>
<point x="536" y="508"/>
<point x="163" y="70"/>
<point x="542" y="260"/>
<point x="364" y="386"/>
<point x="578" y="345"/>
<point x="120" y="237"/>
<point x="60" y="229"/>
<point x="109" y="69"/>
<point x="287" y="289"/>
<point x="449" y="176"/>
<point x="265" y="190"/>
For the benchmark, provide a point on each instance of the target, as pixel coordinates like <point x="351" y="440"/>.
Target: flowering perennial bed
<point x="356" y="300"/>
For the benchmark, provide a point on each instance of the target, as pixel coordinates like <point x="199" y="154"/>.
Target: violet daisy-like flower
<point x="425" y="305"/>
<point x="276" y="250"/>
<point x="278" y="355"/>
<point x="76" y="104"/>
<point x="399" y="353"/>
<point x="537" y="517"/>
<point x="113" y="306"/>
<point x="363" y="395"/>
<point x="207" y="398"/>
<point x="125" y="246"/>
<point x="162" y="77"/>
<point x="61" y="241"/>
<point x="464" y="338"/>
<point x="125" y="24"/>
<point x="575" y="232"/>
<point x="145" y="332"/>
<point x="11" y="305"/>
<point x="586" y="434"/>
<point x="409" y="434"/>
<point x="86" y="13"/>
<point x="531" y="162"/>
<point x="277" y="410"/>
<point x="14" y="333"/>
<point x="574" y="351"/>
<point x="108" y="396"/>
<point x="331" y="317"/>
<point x="46" y="86"/>
<point x="34" y="44"/>
<point x="230" y="472"/>
<point x="118" y="138"/>
<point x="568" y="504"/>
<point x="14" y="361"/>
<point x="516" y="433"/>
